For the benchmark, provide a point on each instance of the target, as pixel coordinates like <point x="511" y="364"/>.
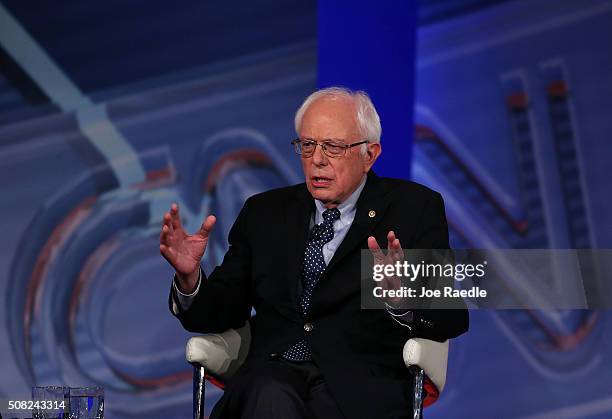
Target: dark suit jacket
<point x="359" y="351"/>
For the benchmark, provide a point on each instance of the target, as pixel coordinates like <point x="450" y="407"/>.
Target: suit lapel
<point x="299" y="213"/>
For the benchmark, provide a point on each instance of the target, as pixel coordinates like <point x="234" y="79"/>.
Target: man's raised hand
<point x="184" y="251"/>
<point x="394" y="254"/>
<point x="394" y="250"/>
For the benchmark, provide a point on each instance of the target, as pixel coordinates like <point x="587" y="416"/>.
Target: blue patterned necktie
<point x="312" y="268"/>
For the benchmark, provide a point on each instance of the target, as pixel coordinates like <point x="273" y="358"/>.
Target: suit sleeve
<point x="437" y="324"/>
<point x="224" y="299"/>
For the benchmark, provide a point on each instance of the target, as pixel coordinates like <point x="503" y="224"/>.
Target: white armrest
<point x="431" y="356"/>
<point x="220" y="354"/>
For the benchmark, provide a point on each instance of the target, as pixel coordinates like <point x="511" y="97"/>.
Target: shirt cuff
<point x="402" y="316"/>
<point x="183" y="301"/>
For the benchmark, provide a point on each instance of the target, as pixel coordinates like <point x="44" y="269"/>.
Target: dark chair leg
<point x="417" y="397"/>
<point x="199" y="391"/>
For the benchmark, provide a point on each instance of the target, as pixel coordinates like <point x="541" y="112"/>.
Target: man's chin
<point x="321" y="194"/>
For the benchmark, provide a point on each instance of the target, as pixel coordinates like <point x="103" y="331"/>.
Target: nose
<point x="319" y="158"/>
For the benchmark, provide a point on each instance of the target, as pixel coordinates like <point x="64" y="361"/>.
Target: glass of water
<point x="86" y="403"/>
<point x="49" y="402"/>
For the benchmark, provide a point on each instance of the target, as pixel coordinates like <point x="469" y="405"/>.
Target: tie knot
<point x="331" y="215"/>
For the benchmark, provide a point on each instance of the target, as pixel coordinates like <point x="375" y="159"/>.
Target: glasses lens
<point x="307" y="147"/>
<point x="334" y="148"/>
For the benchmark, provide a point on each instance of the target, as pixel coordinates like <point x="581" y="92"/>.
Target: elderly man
<point x="294" y="256"/>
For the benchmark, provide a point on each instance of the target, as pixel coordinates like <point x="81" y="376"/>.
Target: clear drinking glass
<point x="86" y="403"/>
<point x="50" y="402"/>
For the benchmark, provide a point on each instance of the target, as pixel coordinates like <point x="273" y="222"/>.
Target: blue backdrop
<point x="111" y="111"/>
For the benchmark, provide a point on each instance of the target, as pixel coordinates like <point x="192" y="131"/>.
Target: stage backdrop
<point x="512" y="123"/>
<point x="111" y="111"/>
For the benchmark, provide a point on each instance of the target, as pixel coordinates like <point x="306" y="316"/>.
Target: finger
<point x="167" y="221"/>
<point x="391" y="242"/>
<point x="391" y="246"/>
<point x="164" y="237"/>
<point x="167" y="252"/>
<point x="375" y="248"/>
<point x="176" y="218"/>
<point x="396" y="250"/>
<point x="207" y="226"/>
<point x="390" y="239"/>
<point x="395" y="245"/>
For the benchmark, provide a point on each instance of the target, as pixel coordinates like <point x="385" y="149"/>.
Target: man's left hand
<point x="394" y="254"/>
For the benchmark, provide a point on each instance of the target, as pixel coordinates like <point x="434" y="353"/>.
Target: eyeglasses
<point x="332" y="148"/>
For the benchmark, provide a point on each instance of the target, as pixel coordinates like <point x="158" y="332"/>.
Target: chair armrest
<point x="430" y="356"/>
<point x="221" y="354"/>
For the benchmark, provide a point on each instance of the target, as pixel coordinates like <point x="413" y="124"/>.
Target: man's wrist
<point x="188" y="286"/>
<point x="194" y="290"/>
<point x="402" y="316"/>
<point x="181" y="301"/>
<point x="398" y="311"/>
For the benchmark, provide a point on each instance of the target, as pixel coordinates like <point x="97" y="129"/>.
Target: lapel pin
<point x="372" y="214"/>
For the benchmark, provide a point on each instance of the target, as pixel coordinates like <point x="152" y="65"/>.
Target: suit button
<point x="426" y="323"/>
<point x="273" y="356"/>
<point x="308" y="327"/>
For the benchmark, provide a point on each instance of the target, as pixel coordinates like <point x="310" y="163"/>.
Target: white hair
<point x="368" y="121"/>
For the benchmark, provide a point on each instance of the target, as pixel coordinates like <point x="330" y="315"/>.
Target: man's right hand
<point x="184" y="251"/>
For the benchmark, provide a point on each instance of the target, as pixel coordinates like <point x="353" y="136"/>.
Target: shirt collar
<point x="345" y="207"/>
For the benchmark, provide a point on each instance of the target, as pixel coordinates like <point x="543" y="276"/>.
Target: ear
<point x="373" y="150"/>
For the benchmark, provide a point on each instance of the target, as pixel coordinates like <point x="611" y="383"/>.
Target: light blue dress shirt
<point x="341" y="226"/>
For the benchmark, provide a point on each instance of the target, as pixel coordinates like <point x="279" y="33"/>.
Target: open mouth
<point x="320" y="182"/>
